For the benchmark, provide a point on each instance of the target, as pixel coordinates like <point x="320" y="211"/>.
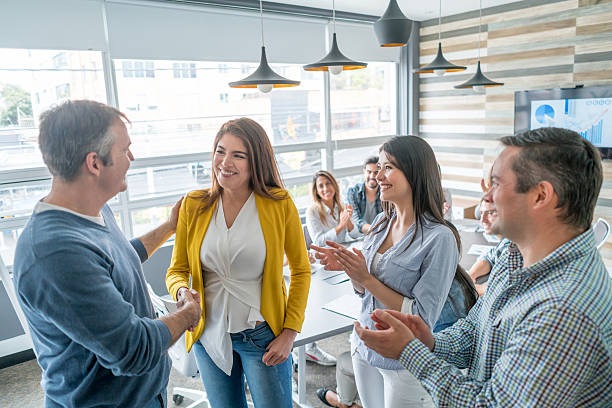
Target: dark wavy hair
<point x="415" y="158"/>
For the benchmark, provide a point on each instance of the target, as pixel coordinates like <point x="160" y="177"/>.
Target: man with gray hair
<point x="80" y="281"/>
<point x="541" y="335"/>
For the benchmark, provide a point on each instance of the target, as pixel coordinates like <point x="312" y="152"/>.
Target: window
<point x="62" y="91"/>
<point x="126" y="68"/>
<point x="224" y="98"/>
<point x="363" y="102"/>
<point x="60" y="60"/>
<point x="149" y="69"/>
<point x="184" y="70"/>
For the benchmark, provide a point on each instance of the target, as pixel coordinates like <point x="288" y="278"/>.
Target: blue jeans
<point x="454" y="308"/>
<point x="269" y="386"/>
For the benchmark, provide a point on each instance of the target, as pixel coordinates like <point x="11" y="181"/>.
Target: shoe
<point x="316" y="355"/>
<point x="321" y="392"/>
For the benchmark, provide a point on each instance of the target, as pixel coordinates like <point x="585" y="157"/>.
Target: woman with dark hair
<point x="327" y="219"/>
<point x="408" y="262"/>
<point x="229" y="247"/>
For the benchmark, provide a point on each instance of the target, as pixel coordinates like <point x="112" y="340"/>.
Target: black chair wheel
<point x="178" y="399"/>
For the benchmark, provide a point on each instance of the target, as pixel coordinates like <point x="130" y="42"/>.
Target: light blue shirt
<point x="321" y="231"/>
<point x="422" y="272"/>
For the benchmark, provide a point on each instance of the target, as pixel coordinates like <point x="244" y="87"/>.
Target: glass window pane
<point x="30" y="82"/>
<point x="301" y="195"/>
<point x="164" y="180"/>
<point x="188" y="111"/>
<point x="297" y="164"/>
<point x="353" y="157"/>
<point x="144" y="220"/>
<point x="8" y="241"/>
<point x="19" y="200"/>
<point x="363" y="101"/>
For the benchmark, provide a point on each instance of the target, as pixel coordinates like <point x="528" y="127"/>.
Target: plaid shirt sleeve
<point x="544" y="363"/>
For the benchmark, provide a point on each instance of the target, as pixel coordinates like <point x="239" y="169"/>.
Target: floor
<point x="20" y="384"/>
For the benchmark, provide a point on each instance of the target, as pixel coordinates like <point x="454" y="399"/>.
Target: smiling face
<point x="394" y="186"/>
<point x="231" y="163"/>
<point x="511" y="207"/>
<point x="325" y="190"/>
<point x="112" y="176"/>
<point x="487" y="215"/>
<point x="370" y="172"/>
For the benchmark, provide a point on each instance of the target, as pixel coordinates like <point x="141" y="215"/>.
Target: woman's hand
<point x="353" y="263"/>
<point x="345" y="217"/>
<point x="324" y="255"/>
<point x="279" y="348"/>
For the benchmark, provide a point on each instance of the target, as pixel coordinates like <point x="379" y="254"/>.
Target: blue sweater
<point x="83" y="292"/>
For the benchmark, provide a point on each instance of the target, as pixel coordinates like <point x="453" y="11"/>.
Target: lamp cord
<point x="261" y="20"/>
<point x="479" y="28"/>
<point x="440" y="23"/>
<point x="334" y="14"/>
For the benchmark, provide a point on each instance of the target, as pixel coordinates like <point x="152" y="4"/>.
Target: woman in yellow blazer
<point x="229" y="247"/>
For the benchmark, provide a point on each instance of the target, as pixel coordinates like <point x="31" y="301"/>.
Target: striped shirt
<point x="541" y="336"/>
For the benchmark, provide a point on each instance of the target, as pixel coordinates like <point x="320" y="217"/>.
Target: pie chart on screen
<point x="545" y="114"/>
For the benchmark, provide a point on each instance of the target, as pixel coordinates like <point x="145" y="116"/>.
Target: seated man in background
<point x="542" y="333"/>
<point x="365" y="197"/>
<point x="485" y="262"/>
<point x="80" y="281"/>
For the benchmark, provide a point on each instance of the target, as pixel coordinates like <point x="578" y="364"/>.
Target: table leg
<point x="302" y="375"/>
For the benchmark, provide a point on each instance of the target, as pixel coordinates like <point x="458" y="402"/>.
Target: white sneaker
<point x="316" y="355"/>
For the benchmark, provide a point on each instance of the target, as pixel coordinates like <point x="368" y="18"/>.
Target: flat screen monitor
<point x="587" y="111"/>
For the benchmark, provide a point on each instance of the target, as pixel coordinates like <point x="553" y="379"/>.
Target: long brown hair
<point x="414" y="157"/>
<point x="265" y="178"/>
<point x="317" y="199"/>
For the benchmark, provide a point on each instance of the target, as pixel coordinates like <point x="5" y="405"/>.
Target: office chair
<point x="10" y="291"/>
<point x="307" y="236"/>
<point x="183" y="361"/>
<point x="601" y="230"/>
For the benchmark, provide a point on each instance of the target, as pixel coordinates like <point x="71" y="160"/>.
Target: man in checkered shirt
<point x="541" y="336"/>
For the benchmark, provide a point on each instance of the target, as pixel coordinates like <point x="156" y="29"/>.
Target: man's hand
<point x="279" y="348"/>
<point x="389" y="341"/>
<point x="174" y="215"/>
<point x="416" y="325"/>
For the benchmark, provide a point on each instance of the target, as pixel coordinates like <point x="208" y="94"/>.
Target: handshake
<point x="188" y="305"/>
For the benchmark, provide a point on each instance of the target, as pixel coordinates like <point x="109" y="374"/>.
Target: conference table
<point x="325" y="287"/>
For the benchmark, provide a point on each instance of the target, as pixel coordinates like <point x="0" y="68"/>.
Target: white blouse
<point x="232" y="262"/>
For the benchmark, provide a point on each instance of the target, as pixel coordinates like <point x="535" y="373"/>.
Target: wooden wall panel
<point x="528" y="45"/>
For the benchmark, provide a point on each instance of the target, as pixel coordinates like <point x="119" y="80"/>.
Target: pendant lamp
<point x="335" y="62"/>
<point x="393" y="28"/>
<point x="479" y="81"/>
<point x="264" y="78"/>
<point x="440" y="65"/>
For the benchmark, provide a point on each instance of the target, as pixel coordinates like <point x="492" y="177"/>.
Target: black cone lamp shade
<point x="478" y="80"/>
<point x="393" y="28"/>
<point x="335" y="60"/>
<point x="440" y="64"/>
<point x="264" y="78"/>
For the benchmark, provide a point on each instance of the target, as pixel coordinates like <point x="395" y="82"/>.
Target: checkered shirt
<point x="541" y="336"/>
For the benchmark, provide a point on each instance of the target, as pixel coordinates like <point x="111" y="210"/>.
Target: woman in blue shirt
<point x="408" y="262"/>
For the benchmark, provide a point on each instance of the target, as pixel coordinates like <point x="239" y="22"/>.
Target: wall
<point x="527" y="45"/>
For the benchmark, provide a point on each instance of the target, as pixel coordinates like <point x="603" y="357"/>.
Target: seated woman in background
<point x="327" y="219"/>
<point x="408" y="262"/>
<point x="229" y="246"/>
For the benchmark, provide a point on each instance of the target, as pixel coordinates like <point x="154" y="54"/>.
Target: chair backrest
<point x="307" y="237"/>
<point x="601" y="230"/>
<point x="10" y="291"/>
<point x="183" y="361"/>
<point x="467" y="286"/>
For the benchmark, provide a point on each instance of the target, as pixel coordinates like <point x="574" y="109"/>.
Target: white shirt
<point x="321" y="231"/>
<point x="232" y="263"/>
<point x="41" y="206"/>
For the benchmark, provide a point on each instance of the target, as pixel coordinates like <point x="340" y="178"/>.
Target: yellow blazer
<point x="282" y="231"/>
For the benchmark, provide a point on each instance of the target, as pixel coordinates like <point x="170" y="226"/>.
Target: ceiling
<point x="414" y="9"/>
